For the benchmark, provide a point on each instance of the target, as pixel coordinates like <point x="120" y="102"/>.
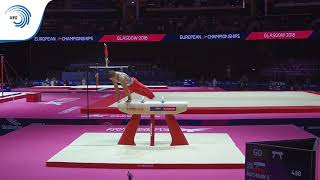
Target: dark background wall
<point x="188" y="60"/>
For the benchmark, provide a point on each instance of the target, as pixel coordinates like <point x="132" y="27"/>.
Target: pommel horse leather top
<point x="152" y="108"/>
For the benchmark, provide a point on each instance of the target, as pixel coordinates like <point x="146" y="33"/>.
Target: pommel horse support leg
<point x="152" y="108"/>
<point x="152" y="129"/>
<point x="177" y="135"/>
<point x="129" y="133"/>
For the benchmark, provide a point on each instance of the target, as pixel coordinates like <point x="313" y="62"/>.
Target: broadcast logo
<point x="19" y="15"/>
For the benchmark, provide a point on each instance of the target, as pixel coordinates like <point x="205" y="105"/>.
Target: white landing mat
<point x="100" y="150"/>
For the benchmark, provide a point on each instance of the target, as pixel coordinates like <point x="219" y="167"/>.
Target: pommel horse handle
<point x="168" y="108"/>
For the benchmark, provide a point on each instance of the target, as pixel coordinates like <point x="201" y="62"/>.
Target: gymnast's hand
<point x="129" y="99"/>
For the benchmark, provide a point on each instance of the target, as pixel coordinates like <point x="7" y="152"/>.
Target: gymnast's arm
<point x="115" y="84"/>
<point x="107" y="61"/>
<point x="106" y="57"/>
<point x="126" y="90"/>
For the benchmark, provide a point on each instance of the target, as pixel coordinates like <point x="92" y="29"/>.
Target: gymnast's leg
<point x="141" y="89"/>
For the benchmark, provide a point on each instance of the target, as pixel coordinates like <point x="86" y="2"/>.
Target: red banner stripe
<point x="279" y="35"/>
<point x="133" y="38"/>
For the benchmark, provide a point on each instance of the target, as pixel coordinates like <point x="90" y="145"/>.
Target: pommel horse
<point x="169" y="109"/>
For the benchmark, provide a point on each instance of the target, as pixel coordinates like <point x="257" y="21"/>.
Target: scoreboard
<point x="281" y="160"/>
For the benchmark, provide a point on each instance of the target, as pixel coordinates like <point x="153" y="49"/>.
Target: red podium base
<point x="33" y="97"/>
<point x="176" y="133"/>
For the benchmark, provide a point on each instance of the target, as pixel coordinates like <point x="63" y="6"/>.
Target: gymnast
<point x="129" y="84"/>
<point x="106" y="54"/>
